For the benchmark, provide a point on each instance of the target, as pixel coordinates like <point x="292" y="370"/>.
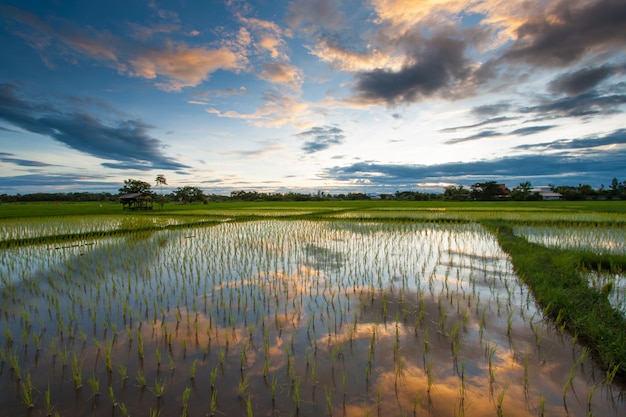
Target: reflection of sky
<point x="596" y="240"/>
<point x="323" y="293"/>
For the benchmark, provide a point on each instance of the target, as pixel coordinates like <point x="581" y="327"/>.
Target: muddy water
<point x="288" y="318"/>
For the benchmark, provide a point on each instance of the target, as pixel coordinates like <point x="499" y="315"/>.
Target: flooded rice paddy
<point x="286" y="318"/>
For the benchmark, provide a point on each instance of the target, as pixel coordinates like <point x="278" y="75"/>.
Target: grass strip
<point x="559" y="287"/>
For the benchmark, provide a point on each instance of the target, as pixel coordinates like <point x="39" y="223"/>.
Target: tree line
<point x="482" y="191"/>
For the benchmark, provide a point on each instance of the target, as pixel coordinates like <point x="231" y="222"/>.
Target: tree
<point x="489" y="190"/>
<point x="189" y="194"/>
<point x="132" y="186"/>
<point x="160" y="180"/>
<point x="454" y="193"/>
<point x="524" y="193"/>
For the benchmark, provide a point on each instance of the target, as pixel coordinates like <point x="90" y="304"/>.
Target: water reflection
<point x="296" y="318"/>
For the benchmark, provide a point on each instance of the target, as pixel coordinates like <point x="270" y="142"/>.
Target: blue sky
<point x="307" y="95"/>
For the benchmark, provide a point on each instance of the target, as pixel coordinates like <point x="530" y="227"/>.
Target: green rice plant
<point x="273" y="386"/>
<point x="243" y="386"/>
<point x="141" y="379"/>
<point x="500" y="400"/>
<point x="107" y="357"/>
<point x="296" y="392"/>
<point x="112" y="396"/>
<point x="158" y="389"/>
<point x="329" y="400"/>
<point x="214" y="376"/>
<point x="27" y="392"/>
<point x="249" y="407"/>
<point x="94" y="384"/>
<point x="123" y="372"/>
<point x="574" y="370"/>
<point x="47" y="402"/>
<point x="192" y="369"/>
<point x="213" y="404"/>
<point x="157" y="354"/>
<point x="185" y="401"/>
<point x="123" y="409"/>
<point x="77" y="375"/>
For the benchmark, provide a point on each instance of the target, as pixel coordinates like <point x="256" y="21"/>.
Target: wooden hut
<point x="136" y="201"/>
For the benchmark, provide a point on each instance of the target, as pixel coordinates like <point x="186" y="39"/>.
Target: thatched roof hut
<point x="136" y="201"/>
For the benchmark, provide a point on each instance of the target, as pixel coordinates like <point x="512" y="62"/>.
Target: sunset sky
<point x="337" y="96"/>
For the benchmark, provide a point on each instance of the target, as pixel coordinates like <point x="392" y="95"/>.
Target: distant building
<point x="546" y="193"/>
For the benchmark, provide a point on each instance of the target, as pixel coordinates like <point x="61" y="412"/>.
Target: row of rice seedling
<point x="55" y="226"/>
<point x="286" y="317"/>
<point x="597" y="240"/>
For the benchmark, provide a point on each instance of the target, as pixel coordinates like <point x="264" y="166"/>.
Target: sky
<point x="371" y="96"/>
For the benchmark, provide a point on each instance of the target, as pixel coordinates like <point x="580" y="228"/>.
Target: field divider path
<point x="554" y="276"/>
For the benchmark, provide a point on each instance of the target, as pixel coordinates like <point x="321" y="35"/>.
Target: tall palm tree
<point x="160" y="180"/>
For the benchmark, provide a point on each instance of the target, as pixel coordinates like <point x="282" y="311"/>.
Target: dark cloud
<point x="554" y="168"/>
<point x="438" y="64"/>
<point x="9" y="158"/>
<point x="479" y="124"/>
<point x="127" y="142"/>
<point x="617" y="137"/>
<point x="491" y="110"/>
<point x="480" y="135"/>
<point x="574" y="83"/>
<point x="321" y="137"/>
<point x="523" y="131"/>
<point x="531" y="130"/>
<point x="37" y="182"/>
<point x="567" y="33"/>
<point x="579" y="106"/>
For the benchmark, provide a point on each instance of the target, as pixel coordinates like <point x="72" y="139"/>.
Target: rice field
<point x="284" y="317"/>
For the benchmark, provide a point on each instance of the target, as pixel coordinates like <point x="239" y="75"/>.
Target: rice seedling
<point x="27" y="392"/>
<point x="243" y="386"/>
<point x="297" y="278"/>
<point x="185" y="401"/>
<point x="158" y="389"/>
<point x="77" y="375"/>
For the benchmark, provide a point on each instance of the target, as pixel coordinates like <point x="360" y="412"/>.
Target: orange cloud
<point x="282" y="73"/>
<point x="182" y="66"/>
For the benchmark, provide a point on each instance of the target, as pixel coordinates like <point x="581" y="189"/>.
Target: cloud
<point x="265" y="148"/>
<point x="321" y="138"/>
<point x="180" y="66"/>
<point x="523" y="131"/>
<point x="9" y="158"/>
<point x="616" y="138"/>
<point x="282" y="73"/>
<point x="125" y="141"/>
<point x="268" y="35"/>
<point x="278" y="109"/>
<point x="593" y="160"/>
<point x="491" y="110"/>
<point x="480" y="135"/>
<point x="37" y="182"/>
<point x="586" y="104"/>
<point x="570" y="30"/>
<point x="172" y="65"/>
<point x="553" y="168"/>
<point x="531" y="130"/>
<point x="574" y="83"/>
<point x="310" y="15"/>
<point x="438" y="64"/>
<point x="485" y="122"/>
